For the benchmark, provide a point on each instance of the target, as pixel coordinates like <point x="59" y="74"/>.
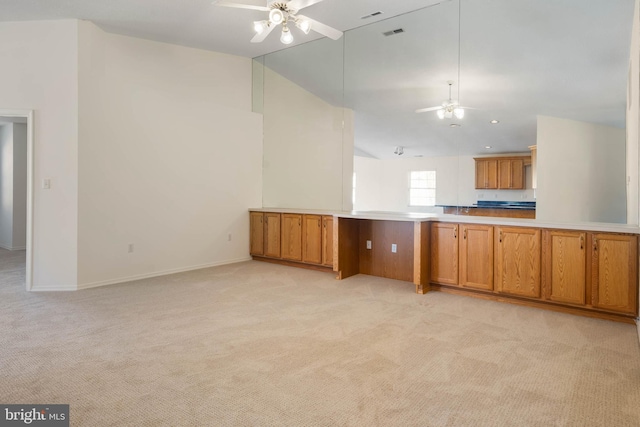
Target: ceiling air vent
<point x="371" y="15"/>
<point x="393" y="32"/>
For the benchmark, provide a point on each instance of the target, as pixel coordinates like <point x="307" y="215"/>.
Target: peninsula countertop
<point x="420" y="217"/>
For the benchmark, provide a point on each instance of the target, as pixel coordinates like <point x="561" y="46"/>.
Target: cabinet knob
<point x="500" y="236"/>
<point x="595" y="244"/>
<point x="582" y="241"/>
<point x="464" y="234"/>
<point x="455" y="232"/>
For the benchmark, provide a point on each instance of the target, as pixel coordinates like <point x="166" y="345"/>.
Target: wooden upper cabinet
<point x="312" y="239"/>
<point x="501" y="172"/>
<point x="444" y="253"/>
<point x="486" y="173"/>
<point x="272" y="234"/>
<point x="564" y="263"/>
<point x="614" y="272"/>
<point x="327" y="240"/>
<point x="476" y="256"/>
<point x="256" y="234"/>
<point x="511" y="174"/>
<point x="291" y="242"/>
<point x="517" y="261"/>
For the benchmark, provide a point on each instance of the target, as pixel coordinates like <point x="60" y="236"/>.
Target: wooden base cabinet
<point x="517" y="261"/>
<point x="272" y="235"/>
<point x="614" y="272"/>
<point x="462" y="254"/>
<point x="256" y="221"/>
<point x="444" y="253"/>
<point x="564" y="262"/>
<point x="302" y="238"/>
<point x="265" y="234"/>
<point x="291" y="240"/>
<point x="476" y="257"/>
<point x="312" y="239"/>
<point x="327" y="240"/>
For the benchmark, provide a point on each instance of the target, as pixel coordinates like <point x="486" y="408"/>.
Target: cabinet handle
<point x="464" y="235"/>
<point x="595" y="244"/>
<point x="582" y="241"/>
<point x="455" y="232"/>
<point x="500" y="236"/>
<point x="298" y="221"/>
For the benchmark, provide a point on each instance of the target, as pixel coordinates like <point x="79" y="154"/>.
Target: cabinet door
<point x="511" y="174"/>
<point x="517" y="175"/>
<point x="292" y="237"/>
<point x="476" y="256"/>
<point x="256" y="236"/>
<point x="486" y="174"/>
<point x="504" y="174"/>
<point x="312" y="239"/>
<point x="517" y="261"/>
<point x="614" y="270"/>
<point x="327" y="240"/>
<point x="564" y="266"/>
<point x="444" y="253"/>
<point x="272" y="235"/>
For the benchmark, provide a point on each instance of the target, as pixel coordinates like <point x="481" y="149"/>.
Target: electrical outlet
<point x="394" y="248"/>
<point x="130" y="249"/>
<point x="368" y="244"/>
<point x="46" y="183"/>
<point x="229" y="237"/>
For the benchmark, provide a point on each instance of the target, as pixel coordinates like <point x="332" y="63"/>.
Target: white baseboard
<point x="158" y="273"/>
<point x="53" y="288"/>
<point x="13" y="248"/>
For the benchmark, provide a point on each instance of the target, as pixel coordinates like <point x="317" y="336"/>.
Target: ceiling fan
<point x="448" y="109"/>
<point x="284" y="12"/>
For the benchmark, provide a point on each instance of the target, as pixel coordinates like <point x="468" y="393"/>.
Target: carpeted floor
<point x="256" y="344"/>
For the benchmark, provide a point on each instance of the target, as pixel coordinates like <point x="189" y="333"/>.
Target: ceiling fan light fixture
<point x="304" y="25"/>
<point x="458" y="112"/>
<point x="276" y="16"/>
<point x="260" y="26"/>
<point x="286" y="37"/>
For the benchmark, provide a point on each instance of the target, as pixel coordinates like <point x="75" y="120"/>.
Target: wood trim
<point x="293" y="264"/>
<point x="421" y="256"/>
<point x="546" y="305"/>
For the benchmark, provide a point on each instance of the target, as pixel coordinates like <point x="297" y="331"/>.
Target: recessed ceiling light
<point x="494" y="122"/>
<point x="455" y="125"/>
<point x="487" y="147"/>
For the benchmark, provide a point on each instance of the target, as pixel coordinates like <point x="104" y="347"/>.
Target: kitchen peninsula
<point x="585" y="268"/>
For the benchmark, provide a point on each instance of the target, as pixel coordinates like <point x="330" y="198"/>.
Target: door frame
<point x="28" y="114"/>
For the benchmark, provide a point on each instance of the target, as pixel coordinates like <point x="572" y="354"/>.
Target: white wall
<point x="170" y="157"/>
<point x="308" y="159"/>
<point x="6" y="186"/>
<point x="19" y="186"/>
<point x="581" y="172"/>
<point x="40" y="72"/>
<point x="382" y="185"/>
<point x="633" y="112"/>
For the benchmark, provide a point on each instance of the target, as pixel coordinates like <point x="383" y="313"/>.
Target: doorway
<point x="16" y="195"/>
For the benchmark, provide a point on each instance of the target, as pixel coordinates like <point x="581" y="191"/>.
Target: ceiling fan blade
<point x="323" y="29"/>
<point x="263" y="35"/>
<point x="424" y="110"/>
<point x="240" y="6"/>
<point x="301" y="4"/>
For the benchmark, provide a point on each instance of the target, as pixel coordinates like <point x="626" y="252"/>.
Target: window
<point x="422" y="188"/>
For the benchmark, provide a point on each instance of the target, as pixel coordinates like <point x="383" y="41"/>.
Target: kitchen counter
<point x="430" y="217"/>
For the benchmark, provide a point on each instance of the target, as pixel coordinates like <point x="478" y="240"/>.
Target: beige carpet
<point x="256" y="344"/>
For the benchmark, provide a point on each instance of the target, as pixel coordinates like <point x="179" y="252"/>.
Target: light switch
<point x="394" y="248"/>
<point x="46" y="183"/>
<point x="368" y="244"/>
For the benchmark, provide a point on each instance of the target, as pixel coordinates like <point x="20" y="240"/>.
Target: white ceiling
<point x="563" y="58"/>
<point x="200" y="23"/>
